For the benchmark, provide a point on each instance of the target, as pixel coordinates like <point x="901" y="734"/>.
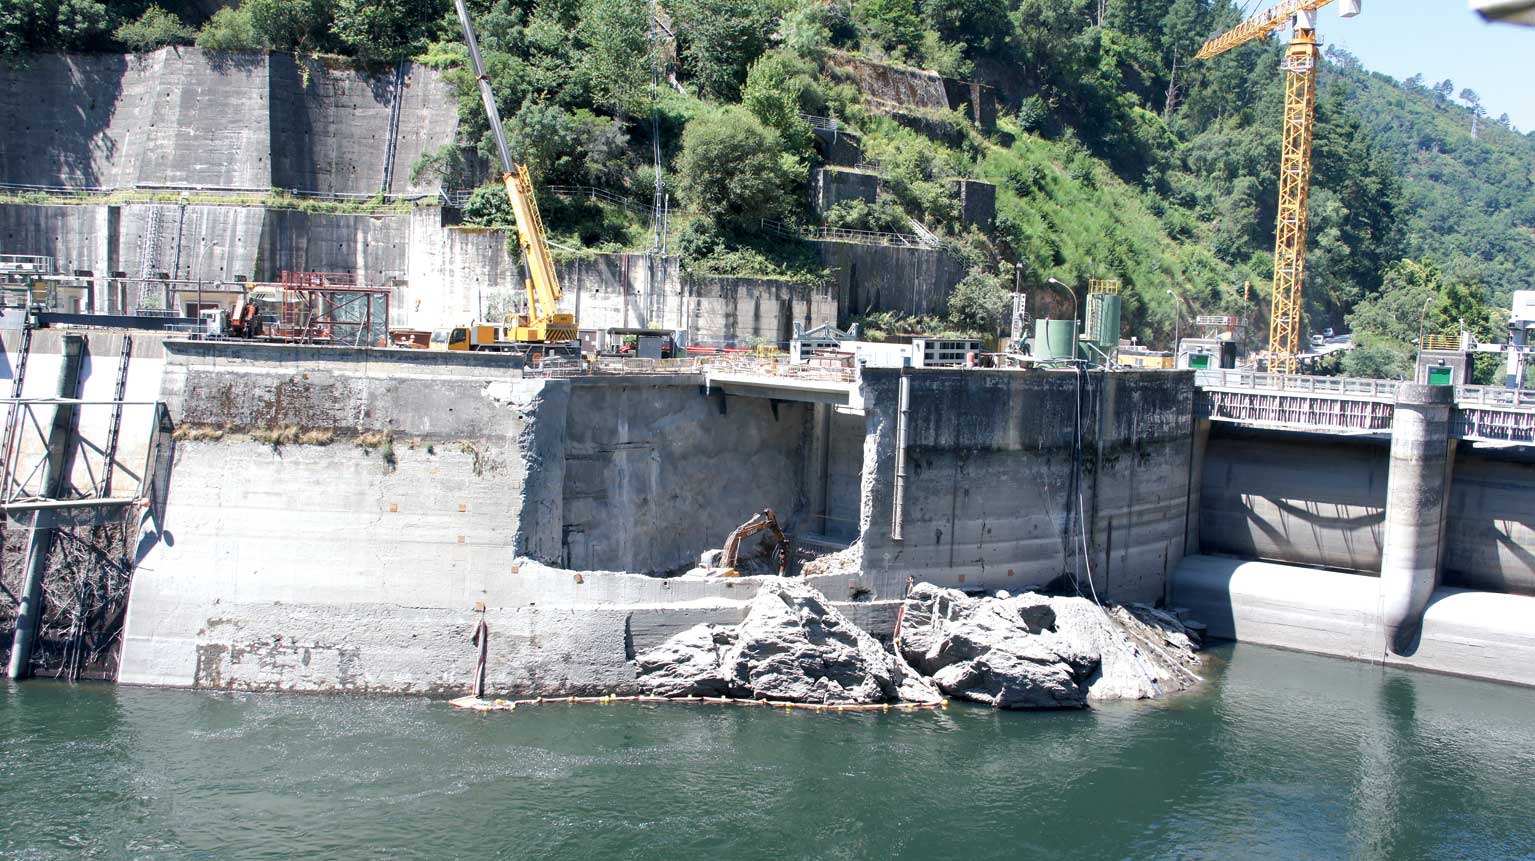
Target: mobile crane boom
<point x="543" y="323"/>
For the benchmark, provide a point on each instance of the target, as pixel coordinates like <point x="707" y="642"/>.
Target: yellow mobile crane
<point x="1299" y="66"/>
<point x="544" y="324"/>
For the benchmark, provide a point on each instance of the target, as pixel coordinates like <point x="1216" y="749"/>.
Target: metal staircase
<point x="105" y="488"/>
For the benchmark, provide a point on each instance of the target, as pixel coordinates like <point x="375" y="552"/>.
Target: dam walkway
<point x="1351" y="406"/>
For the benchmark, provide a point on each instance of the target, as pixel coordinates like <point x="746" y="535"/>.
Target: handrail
<point x="1357" y="387"/>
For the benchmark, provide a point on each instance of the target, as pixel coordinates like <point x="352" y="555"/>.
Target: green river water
<point x="1281" y="755"/>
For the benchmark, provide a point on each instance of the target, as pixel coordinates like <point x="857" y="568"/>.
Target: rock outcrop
<point x="792" y="645"/>
<point x="1037" y="651"/>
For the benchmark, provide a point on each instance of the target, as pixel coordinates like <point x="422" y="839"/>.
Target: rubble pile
<point x="792" y="645"/>
<point x="1040" y="651"/>
<point x="1014" y="652"/>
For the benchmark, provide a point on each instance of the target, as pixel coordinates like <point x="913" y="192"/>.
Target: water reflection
<point x="1280" y="755"/>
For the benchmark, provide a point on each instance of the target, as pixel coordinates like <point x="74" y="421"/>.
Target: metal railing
<point x="841" y="234"/>
<point x="1495" y="396"/>
<point x="1355" y="388"/>
<point x="829" y="124"/>
<point x="224" y="191"/>
<point x="1348" y="387"/>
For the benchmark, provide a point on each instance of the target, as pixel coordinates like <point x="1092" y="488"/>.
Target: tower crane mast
<point x="1299" y="67"/>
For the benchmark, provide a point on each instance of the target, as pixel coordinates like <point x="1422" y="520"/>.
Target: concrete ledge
<point x="1483" y="635"/>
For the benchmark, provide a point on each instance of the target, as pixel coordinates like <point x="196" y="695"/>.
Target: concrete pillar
<point x="818" y="467"/>
<point x="1417" y="501"/>
<point x="1199" y="442"/>
<point x="61" y="434"/>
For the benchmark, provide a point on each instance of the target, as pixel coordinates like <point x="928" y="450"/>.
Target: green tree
<point x="229" y="29"/>
<point x="288" y="25"/>
<point x="893" y="26"/>
<point x="385" y="29"/>
<point x="45" y="24"/>
<point x="618" y="54"/>
<point x="779" y="87"/>
<point x="978" y="302"/>
<point x="977" y="26"/>
<point x="806" y="30"/>
<point x="488" y="207"/>
<point x="155" y="29"/>
<point x="719" y="40"/>
<point x="732" y="169"/>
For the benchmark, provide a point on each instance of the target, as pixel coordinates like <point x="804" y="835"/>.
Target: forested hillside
<point x="1116" y="154"/>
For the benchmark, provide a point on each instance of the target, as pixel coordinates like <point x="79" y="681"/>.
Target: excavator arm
<point x="758" y="523"/>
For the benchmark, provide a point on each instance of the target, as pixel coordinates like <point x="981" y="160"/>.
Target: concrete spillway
<point x="1462" y="632"/>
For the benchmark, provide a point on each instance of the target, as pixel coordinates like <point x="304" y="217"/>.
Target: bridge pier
<point x="1417" y="502"/>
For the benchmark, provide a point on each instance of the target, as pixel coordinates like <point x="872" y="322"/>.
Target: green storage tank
<point x="1055" y="339"/>
<point x="1103" y="320"/>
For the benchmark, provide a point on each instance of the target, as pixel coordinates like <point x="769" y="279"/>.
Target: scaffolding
<point x="331" y="308"/>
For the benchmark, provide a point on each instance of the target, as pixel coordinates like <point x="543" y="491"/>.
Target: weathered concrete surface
<point x="474" y="479"/>
<point x="357" y="564"/>
<point x="871" y="278"/>
<point x="907" y="87"/>
<point x="656" y="472"/>
<point x="992" y="485"/>
<point x="1307" y="500"/>
<point x="1466" y="633"/>
<point x="830" y="186"/>
<point x="793" y="645"/>
<point x="182" y="116"/>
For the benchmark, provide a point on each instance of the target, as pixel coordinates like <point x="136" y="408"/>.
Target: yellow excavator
<point x="543" y="326"/>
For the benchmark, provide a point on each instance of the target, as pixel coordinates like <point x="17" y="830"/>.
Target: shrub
<point x="733" y="170"/>
<point x="153" y="30"/>
<point x="229" y="30"/>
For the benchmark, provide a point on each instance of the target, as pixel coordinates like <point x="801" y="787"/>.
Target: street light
<point x="1069" y="292"/>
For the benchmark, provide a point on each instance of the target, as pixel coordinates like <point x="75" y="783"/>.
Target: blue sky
<point x="1442" y="39"/>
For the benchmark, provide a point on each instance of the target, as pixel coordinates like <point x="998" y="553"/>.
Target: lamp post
<point x="1069" y="292"/>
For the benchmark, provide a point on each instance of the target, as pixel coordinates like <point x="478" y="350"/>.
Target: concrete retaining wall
<point x="182" y="116"/>
<point x="657" y="473"/>
<point x="321" y="567"/>
<point x="991" y="479"/>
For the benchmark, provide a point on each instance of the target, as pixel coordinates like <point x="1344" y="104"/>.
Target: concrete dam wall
<point x="994" y="500"/>
<point x="350" y="553"/>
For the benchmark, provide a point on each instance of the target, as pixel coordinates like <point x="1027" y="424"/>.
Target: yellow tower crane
<point x="1299" y="66"/>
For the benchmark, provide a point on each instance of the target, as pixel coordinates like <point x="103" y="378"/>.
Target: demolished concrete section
<point x="1038" y="651"/>
<point x="792" y="646"/>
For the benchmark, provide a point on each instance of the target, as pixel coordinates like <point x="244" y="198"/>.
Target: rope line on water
<point x="484" y="705"/>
